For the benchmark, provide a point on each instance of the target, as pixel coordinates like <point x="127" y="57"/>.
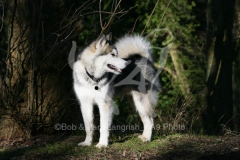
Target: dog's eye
<point x="113" y="54"/>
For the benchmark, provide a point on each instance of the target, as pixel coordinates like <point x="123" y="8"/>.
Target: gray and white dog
<point x="103" y="70"/>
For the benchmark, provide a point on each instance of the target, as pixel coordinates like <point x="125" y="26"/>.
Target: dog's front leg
<point x="106" y="111"/>
<point x="87" y="113"/>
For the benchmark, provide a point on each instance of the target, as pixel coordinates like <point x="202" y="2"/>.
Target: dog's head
<point x="104" y="56"/>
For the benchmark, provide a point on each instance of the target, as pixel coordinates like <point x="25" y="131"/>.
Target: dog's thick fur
<point x="101" y="70"/>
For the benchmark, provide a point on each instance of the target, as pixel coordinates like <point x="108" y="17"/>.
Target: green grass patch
<point x="175" y="146"/>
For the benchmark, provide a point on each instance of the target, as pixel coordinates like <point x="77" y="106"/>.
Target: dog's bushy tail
<point x="133" y="44"/>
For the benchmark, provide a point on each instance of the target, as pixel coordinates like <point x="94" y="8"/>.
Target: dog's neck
<point x="95" y="79"/>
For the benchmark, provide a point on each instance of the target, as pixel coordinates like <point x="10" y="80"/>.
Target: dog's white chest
<point x="87" y="92"/>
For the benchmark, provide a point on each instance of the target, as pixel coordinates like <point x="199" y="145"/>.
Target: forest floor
<point x="178" y="146"/>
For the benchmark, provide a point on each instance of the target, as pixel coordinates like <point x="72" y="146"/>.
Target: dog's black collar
<point x="97" y="80"/>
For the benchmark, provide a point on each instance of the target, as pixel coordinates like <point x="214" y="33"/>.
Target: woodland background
<point x="200" y="81"/>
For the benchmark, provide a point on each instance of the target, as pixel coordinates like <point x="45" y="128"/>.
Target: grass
<point x="177" y="146"/>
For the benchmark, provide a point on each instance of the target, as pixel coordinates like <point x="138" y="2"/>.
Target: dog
<point x="103" y="70"/>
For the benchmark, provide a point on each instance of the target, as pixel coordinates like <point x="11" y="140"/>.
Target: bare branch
<point x="171" y="72"/>
<point x="135" y="24"/>
<point x="150" y="17"/>
<point x="111" y="17"/>
<point x="162" y="17"/>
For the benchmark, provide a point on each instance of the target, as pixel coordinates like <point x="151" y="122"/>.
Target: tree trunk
<point x="24" y="24"/>
<point x="219" y="50"/>
<point x="37" y="82"/>
<point x="236" y="69"/>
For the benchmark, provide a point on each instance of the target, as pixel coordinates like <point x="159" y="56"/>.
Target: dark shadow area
<point x="202" y="150"/>
<point x="225" y="156"/>
<point x="184" y="155"/>
<point x="29" y="148"/>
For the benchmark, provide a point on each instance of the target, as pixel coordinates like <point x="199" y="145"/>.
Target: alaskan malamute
<point x="102" y="70"/>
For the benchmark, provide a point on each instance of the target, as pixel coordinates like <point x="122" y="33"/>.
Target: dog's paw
<point x="84" y="143"/>
<point x="99" y="145"/>
<point x="143" y="138"/>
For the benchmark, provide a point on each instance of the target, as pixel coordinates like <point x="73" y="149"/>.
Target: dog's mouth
<point x="112" y="67"/>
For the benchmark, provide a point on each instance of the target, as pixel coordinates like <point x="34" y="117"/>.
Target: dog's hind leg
<point x="87" y="113"/>
<point x="145" y="110"/>
<point x="106" y="111"/>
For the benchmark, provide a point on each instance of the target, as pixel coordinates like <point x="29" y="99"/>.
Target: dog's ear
<point x="101" y="41"/>
<point x="109" y="37"/>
